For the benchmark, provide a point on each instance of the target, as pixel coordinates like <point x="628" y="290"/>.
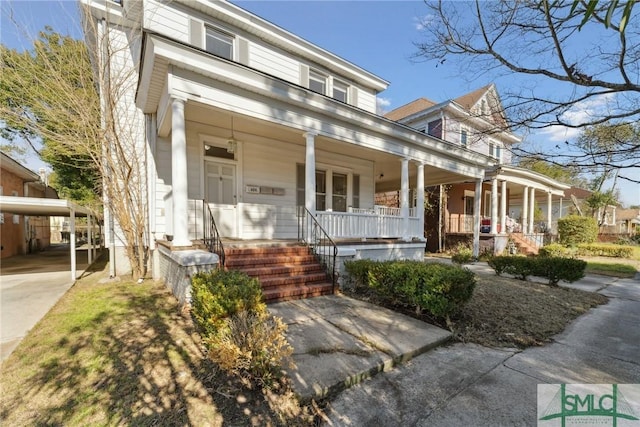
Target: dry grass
<point x="121" y="353"/>
<point x="507" y="312"/>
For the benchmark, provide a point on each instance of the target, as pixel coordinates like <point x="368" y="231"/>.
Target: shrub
<point x="463" y="255"/>
<point x="240" y="335"/>
<point x="521" y="267"/>
<point x="560" y="268"/>
<point x="499" y="263"/>
<point x="553" y="249"/>
<point x="219" y="294"/>
<point x="439" y="289"/>
<point x="251" y="342"/>
<point x="605" y="250"/>
<point x="575" y="229"/>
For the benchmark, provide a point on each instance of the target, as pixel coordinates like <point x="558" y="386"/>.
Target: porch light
<point x="232" y="145"/>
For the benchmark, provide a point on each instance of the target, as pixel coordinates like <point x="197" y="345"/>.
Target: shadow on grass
<point x="122" y="353"/>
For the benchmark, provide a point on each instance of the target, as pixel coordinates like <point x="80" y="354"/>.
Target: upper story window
<point x="499" y="153"/>
<point x="317" y="82"/>
<point x="219" y="43"/>
<point x="464" y="137"/>
<point x="340" y="91"/>
<point x="434" y="128"/>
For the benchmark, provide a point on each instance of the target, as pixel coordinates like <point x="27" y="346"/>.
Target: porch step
<point x="285" y="271"/>
<point x="523" y="245"/>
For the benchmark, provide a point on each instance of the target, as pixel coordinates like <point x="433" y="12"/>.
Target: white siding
<point x="366" y="100"/>
<point x="271" y="62"/>
<point x="166" y="19"/>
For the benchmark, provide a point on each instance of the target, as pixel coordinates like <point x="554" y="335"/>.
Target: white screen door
<point x="220" y="190"/>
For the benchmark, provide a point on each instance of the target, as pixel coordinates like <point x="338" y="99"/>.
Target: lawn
<point x="121" y="353"/>
<point x="611" y="269"/>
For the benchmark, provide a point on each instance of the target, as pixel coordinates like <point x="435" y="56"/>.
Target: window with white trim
<point x="219" y="43"/>
<point x="340" y="90"/>
<point x="464" y="137"/>
<point x="317" y="82"/>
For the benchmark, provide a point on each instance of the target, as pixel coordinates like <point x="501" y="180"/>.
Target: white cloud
<point x="579" y="113"/>
<point x="422" y="22"/>
<point x="382" y="105"/>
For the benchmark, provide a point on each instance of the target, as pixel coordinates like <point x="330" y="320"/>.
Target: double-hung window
<point x="219" y="43"/>
<point x="464" y="136"/>
<point x="340" y="91"/>
<point x="317" y="82"/>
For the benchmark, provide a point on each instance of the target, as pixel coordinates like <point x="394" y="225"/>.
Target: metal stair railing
<point x="211" y="236"/>
<point x="311" y="233"/>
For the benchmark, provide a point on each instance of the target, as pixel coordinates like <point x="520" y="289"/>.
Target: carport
<point x="35" y="206"/>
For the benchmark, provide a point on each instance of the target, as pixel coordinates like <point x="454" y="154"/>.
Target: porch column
<point x="89" y="239"/>
<point x="420" y="200"/>
<point x="179" y="175"/>
<point x="404" y="198"/>
<point x="310" y="174"/>
<point x="476" y="218"/>
<point x="525" y="210"/>
<point x="532" y="208"/>
<point x="494" y="206"/>
<point x="503" y="207"/>
<point x="549" y="211"/>
<point x="560" y="209"/>
<point x="72" y="242"/>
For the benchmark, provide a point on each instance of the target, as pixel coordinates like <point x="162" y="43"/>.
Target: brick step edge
<point x="253" y="252"/>
<point x="251" y="262"/>
<point x="283" y="270"/>
<point x="293" y="280"/>
<point x="285" y="293"/>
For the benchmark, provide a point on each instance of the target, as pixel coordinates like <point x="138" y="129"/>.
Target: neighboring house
<point x="628" y="221"/>
<point x="22" y="234"/>
<point x="475" y="122"/>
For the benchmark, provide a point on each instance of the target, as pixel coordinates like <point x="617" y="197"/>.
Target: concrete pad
<point x="411" y="392"/>
<point x="610" y="329"/>
<point x="623" y="288"/>
<point x="503" y="397"/>
<point x="591" y="283"/>
<point x="560" y="363"/>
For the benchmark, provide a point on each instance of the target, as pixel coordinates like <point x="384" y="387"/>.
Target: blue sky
<point x="378" y="36"/>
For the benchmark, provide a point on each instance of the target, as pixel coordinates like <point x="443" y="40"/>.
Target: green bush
<point x="463" y="255"/>
<point x="218" y="294"/>
<point x="596" y="249"/>
<point x="553" y="249"/>
<point x="439" y="289"/>
<point x="560" y="268"/>
<point x="550" y="267"/>
<point x="575" y="229"/>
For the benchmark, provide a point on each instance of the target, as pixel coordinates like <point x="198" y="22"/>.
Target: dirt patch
<point x="507" y="312"/>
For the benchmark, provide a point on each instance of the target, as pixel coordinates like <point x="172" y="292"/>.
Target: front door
<point x="220" y="190"/>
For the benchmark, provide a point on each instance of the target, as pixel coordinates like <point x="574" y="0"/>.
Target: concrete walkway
<point x="29" y="286"/>
<point x="471" y="385"/>
<point x="339" y="341"/>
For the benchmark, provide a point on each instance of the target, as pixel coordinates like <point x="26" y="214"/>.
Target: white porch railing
<point x="460" y="223"/>
<point x="352" y="225"/>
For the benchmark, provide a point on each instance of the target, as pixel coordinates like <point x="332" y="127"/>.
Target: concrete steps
<point x="285" y="272"/>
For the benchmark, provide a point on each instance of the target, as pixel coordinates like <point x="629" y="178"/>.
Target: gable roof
<point x="470" y="99"/>
<point x="579" y="193"/>
<point x="409" y="109"/>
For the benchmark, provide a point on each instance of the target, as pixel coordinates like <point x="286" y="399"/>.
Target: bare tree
<point x="70" y="97"/>
<point x="571" y="64"/>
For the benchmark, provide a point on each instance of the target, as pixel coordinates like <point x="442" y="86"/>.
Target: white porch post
<point x="503" y="207"/>
<point x="549" y="211"/>
<point x="404" y="198"/>
<point x="525" y="210"/>
<point x="89" y="239"/>
<point x="532" y="208"/>
<point x="420" y="200"/>
<point x="72" y="242"/>
<point x="476" y="218"/>
<point x="560" y="209"/>
<point x="494" y="206"/>
<point x="310" y="174"/>
<point x="179" y="175"/>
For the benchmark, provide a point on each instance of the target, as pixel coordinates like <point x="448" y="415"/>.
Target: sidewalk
<point x="467" y="384"/>
<point x="339" y="341"/>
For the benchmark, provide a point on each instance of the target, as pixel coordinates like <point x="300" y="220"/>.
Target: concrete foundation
<point x="177" y="267"/>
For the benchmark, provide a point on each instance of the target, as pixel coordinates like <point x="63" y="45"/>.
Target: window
<point x="211" y="150"/>
<point x="219" y="43"/>
<point x="434" y="128"/>
<point x="463" y="137"/>
<point x="339" y="196"/>
<point x="340" y="91"/>
<point x="499" y="152"/>
<point x="321" y="191"/>
<point x="483" y="107"/>
<point x="356" y="191"/>
<point x="492" y="149"/>
<point x="317" y="82"/>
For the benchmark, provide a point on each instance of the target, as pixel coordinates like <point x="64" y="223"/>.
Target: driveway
<point x="29" y="286"/>
<point x="471" y="385"/>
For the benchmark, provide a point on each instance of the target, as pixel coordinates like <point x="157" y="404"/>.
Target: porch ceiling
<point x="387" y="167"/>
